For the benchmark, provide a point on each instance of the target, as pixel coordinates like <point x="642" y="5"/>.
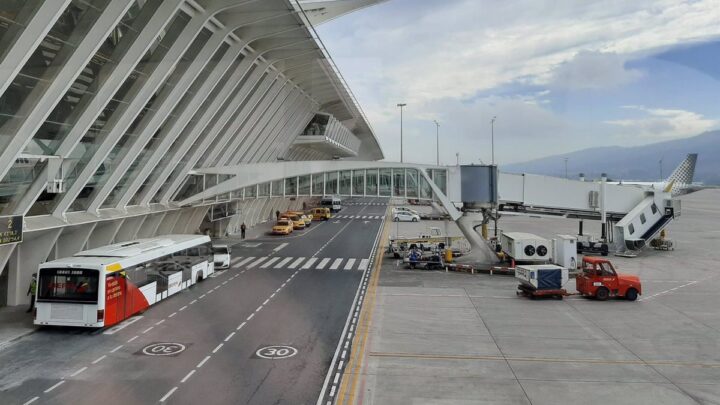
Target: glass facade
<point x="358" y="182"/>
<point x="304" y="185"/>
<point x="398" y="182"/>
<point x="345" y="182"/>
<point x="385" y="182"/>
<point x="411" y="183"/>
<point x="331" y="183"/>
<point x="291" y="186"/>
<point x="371" y="180"/>
<point x="318" y="183"/>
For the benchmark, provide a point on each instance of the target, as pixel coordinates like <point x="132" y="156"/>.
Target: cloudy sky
<point x="559" y="75"/>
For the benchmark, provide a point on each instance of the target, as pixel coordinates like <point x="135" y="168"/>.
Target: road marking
<point x="349" y="264"/>
<point x="173" y="314"/>
<point x="229" y="336"/>
<point x="235" y="259"/>
<point x="364" y="217"/>
<point x="281" y="246"/>
<point x="336" y="264"/>
<point x="132" y="338"/>
<point x="256" y="262"/>
<point x="251" y="316"/>
<point x="192" y="302"/>
<point x="99" y="359"/>
<point x="172" y="390"/>
<point x="309" y="263"/>
<point x="203" y="361"/>
<point x="33" y="399"/>
<point x="122" y="325"/>
<point x="148" y="329"/>
<point x="242" y="263"/>
<point x="269" y="262"/>
<point x="54" y="386"/>
<point x="116" y="349"/>
<point x="241" y="326"/>
<point x="322" y="263"/>
<point x="283" y="262"/>
<point x="217" y="348"/>
<point x="266" y="301"/>
<point x="78" y="371"/>
<point x="259" y="308"/>
<point x="188" y="376"/>
<point x="296" y="262"/>
<point x="363" y="264"/>
<point x="159" y="322"/>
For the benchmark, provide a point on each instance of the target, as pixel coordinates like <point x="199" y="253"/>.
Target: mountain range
<point x="637" y="163"/>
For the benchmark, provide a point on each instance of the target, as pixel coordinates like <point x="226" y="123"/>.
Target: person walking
<point x="31" y="292"/>
<point x="277" y="215"/>
<point x="242" y="231"/>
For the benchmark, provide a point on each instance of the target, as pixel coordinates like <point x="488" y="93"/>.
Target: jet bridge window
<point x="631" y="228"/>
<point x="654" y="208"/>
<point x="642" y="218"/>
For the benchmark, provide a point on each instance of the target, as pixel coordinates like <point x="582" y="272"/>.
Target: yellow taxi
<point x="321" y="213"/>
<point x="305" y="217"/>
<point x="297" y="221"/>
<point x="283" y="227"/>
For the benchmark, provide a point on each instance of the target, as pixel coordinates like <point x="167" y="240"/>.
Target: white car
<point x="405" y="210"/>
<point x="221" y="256"/>
<point x="402" y="216"/>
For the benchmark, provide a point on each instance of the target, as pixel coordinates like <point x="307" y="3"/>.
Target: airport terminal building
<point x="110" y="109"/>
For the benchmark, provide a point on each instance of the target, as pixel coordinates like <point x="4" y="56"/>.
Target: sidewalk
<point x="14" y="324"/>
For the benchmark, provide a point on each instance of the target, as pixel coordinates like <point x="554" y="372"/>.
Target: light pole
<point x="492" y="138"/>
<point x="437" y="141"/>
<point x="401" y="105"/>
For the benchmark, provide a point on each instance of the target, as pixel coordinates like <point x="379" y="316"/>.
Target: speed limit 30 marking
<point x="163" y="349"/>
<point x="276" y="352"/>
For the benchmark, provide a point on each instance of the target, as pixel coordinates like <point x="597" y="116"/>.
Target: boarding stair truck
<point x="645" y="222"/>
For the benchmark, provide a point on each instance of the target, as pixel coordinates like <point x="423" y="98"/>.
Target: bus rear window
<point x="68" y="285"/>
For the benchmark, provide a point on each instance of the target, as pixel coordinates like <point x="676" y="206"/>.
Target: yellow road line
<point x="353" y="370"/>
<point x="542" y="359"/>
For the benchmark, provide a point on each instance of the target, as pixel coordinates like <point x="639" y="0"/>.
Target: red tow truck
<point x="599" y="279"/>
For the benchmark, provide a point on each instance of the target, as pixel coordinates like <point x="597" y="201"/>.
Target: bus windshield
<point x="68" y="285"/>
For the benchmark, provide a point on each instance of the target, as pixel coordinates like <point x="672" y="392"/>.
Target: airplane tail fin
<point x="682" y="176"/>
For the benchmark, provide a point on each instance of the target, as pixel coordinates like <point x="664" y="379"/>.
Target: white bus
<point x="332" y="202"/>
<point x="103" y="286"/>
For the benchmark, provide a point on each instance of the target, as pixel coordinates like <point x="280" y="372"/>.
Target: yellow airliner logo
<point x="113" y="267"/>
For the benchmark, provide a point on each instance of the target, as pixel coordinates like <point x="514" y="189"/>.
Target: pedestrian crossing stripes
<point x="363" y="203"/>
<point x="358" y="217"/>
<point x="304" y="263"/>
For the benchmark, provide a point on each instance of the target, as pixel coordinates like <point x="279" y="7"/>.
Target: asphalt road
<point x="281" y="291"/>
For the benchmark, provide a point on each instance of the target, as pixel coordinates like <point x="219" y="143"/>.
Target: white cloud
<point x="659" y="123"/>
<point x="593" y="70"/>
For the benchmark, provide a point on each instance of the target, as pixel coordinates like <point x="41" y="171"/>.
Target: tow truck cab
<point x="599" y="279"/>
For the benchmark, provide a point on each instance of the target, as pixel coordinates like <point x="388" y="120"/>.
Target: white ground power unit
<point x="565" y="251"/>
<point x="525" y="247"/>
<point x="542" y="277"/>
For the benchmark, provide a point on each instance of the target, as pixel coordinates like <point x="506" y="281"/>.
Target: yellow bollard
<point x="448" y="255"/>
<point x="484" y="231"/>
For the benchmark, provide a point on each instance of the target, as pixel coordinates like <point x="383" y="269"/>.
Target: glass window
<point x="371" y="178"/>
<point x="642" y="218"/>
<point x="398" y="182"/>
<point x="68" y="285"/>
<point x="345" y="180"/>
<point x="411" y="182"/>
<point x="291" y="186"/>
<point x="631" y="228"/>
<point x="304" y="185"/>
<point x="251" y="192"/>
<point x="264" y="190"/>
<point x="318" y="182"/>
<point x="425" y="190"/>
<point x="358" y="182"/>
<point x="277" y="188"/>
<point x="654" y="208"/>
<point x="440" y="178"/>
<point x="15" y="15"/>
<point x="385" y="182"/>
<point x="331" y="186"/>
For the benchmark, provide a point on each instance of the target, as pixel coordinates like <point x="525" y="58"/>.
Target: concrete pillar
<point x="24" y="262"/>
<point x="104" y="233"/>
<point x="73" y="239"/>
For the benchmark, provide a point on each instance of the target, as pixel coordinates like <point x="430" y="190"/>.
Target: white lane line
<point x="296" y="262"/>
<point x="281" y="246"/>
<point x="256" y="262"/>
<point x="269" y="262"/>
<point x="363" y="264"/>
<point x="172" y="390"/>
<point x="218" y="347"/>
<point x="259" y="308"/>
<point x="242" y="263"/>
<point x="173" y="314"/>
<point x="251" y="316"/>
<point x="349" y="265"/>
<point x="240" y="326"/>
<point x="116" y="349"/>
<point x="235" y="259"/>
<point x="132" y="338"/>
<point x="229" y="336"/>
<point x="122" y="325"/>
<point x="203" y="361"/>
<point x="99" y="359"/>
<point x="184" y="307"/>
<point x="78" y="371"/>
<point x="322" y="263"/>
<point x="159" y="322"/>
<point x="54" y="386"/>
<point x="188" y="376"/>
<point x="336" y="264"/>
<point x="266" y="301"/>
<point x="283" y="262"/>
<point x="33" y="399"/>
<point x="148" y="329"/>
<point x="364" y="217"/>
<point x="192" y="302"/>
<point x="309" y="263"/>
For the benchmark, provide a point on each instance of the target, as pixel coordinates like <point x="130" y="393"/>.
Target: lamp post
<point x="492" y="138"/>
<point x="401" y="105"/>
<point x="437" y="141"/>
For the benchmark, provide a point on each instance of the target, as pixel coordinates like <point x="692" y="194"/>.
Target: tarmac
<point x="433" y="337"/>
